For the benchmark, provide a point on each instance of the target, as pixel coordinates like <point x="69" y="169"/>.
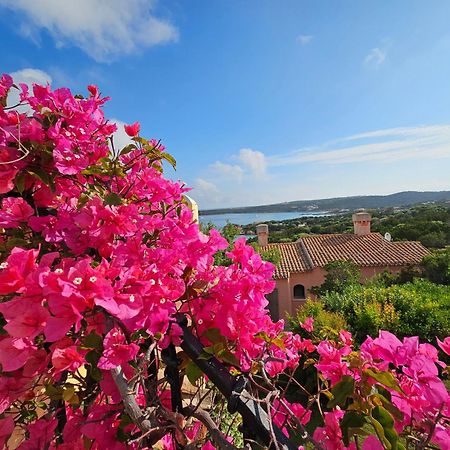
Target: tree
<point x="340" y="275"/>
<point x="105" y="274"/>
<point x="437" y="266"/>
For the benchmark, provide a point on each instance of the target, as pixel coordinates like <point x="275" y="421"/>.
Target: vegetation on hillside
<point x="399" y="199"/>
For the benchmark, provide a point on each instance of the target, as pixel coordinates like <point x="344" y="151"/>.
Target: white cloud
<point x="375" y="58"/>
<point x="230" y="171"/>
<point x="103" y="29"/>
<point x="304" y="39"/>
<point x="30" y="76"/>
<point x="254" y="160"/>
<point x="206" y="193"/>
<point x="384" y="146"/>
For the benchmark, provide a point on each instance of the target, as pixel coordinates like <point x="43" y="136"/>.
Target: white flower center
<point x="93" y="279"/>
<point x="4" y="265"/>
<point x="132" y="299"/>
<point x="77" y="281"/>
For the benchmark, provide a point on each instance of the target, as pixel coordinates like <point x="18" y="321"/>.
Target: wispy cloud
<point x="232" y="171"/>
<point x="206" y="192"/>
<point x="103" y="29"/>
<point x="382" y="146"/>
<point x="304" y="39"/>
<point x="254" y="160"/>
<point x="375" y="58"/>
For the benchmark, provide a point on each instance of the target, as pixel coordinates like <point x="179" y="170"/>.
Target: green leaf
<point x="226" y="356"/>
<point x="19" y="182"/>
<point x="341" y="391"/>
<point x="382" y="416"/>
<point x="127" y="149"/>
<point x="351" y="424"/>
<point x="54" y="392"/>
<point x="96" y="374"/>
<point x="380" y="433"/>
<point x="16" y="242"/>
<point x="213" y="335"/>
<point x="42" y="175"/>
<point x="112" y="199"/>
<point x="170" y="159"/>
<point x="279" y="343"/>
<point x="93" y="340"/>
<point x="385" y="378"/>
<point x="92" y="357"/>
<point x="394" y="411"/>
<point x="193" y="372"/>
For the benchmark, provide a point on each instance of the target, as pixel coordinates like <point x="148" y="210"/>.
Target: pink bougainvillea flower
<point x="25" y="317"/>
<point x="67" y="358"/>
<point x="40" y="434"/>
<point x="14" y="353"/>
<point x="345" y="337"/>
<point x="14" y="211"/>
<point x="445" y="345"/>
<point x="6" y="82"/>
<point x="308" y="324"/>
<point x="6" y="428"/>
<point x="15" y="269"/>
<point x="133" y="129"/>
<point x="372" y="443"/>
<point x="116" y="351"/>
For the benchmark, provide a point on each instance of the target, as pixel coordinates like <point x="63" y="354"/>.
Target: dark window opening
<point x="299" y="292"/>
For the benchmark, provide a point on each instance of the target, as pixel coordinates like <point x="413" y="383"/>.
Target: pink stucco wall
<point x="286" y="302"/>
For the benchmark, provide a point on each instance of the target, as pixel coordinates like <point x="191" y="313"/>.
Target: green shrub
<point x="437" y="266"/>
<point x="326" y="324"/>
<point x="418" y="308"/>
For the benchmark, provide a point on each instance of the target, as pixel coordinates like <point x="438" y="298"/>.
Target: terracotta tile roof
<point x="365" y="251"/>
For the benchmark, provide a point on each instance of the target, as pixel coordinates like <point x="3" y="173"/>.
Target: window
<point x="299" y="292"/>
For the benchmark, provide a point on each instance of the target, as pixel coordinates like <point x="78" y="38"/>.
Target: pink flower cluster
<point x="410" y="373"/>
<point x="105" y="239"/>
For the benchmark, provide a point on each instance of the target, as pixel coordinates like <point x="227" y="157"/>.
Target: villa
<point x="302" y="262"/>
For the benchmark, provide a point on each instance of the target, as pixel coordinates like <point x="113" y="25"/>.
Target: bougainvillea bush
<point x="99" y="254"/>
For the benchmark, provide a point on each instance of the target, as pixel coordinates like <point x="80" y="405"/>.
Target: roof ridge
<point x="306" y="254"/>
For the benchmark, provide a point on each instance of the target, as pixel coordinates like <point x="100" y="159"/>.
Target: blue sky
<point x="259" y="101"/>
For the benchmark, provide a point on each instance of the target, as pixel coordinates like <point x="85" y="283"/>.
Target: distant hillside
<point x="407" y="198"/>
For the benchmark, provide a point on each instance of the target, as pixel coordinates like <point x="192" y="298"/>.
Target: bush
<point x="419" y="308"/>
<point x="437" y="266"/>
<point x="327" y="325"/>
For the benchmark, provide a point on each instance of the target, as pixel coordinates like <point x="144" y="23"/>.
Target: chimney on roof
<point x="361" y="223"/>
<point x="262" y="231"/>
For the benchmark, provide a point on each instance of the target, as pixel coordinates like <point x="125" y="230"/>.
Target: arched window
<point x="299" y="292"/>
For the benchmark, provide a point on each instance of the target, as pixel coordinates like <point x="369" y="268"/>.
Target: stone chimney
<point x="361" y="223"/>
<point x="262" y="231"/>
